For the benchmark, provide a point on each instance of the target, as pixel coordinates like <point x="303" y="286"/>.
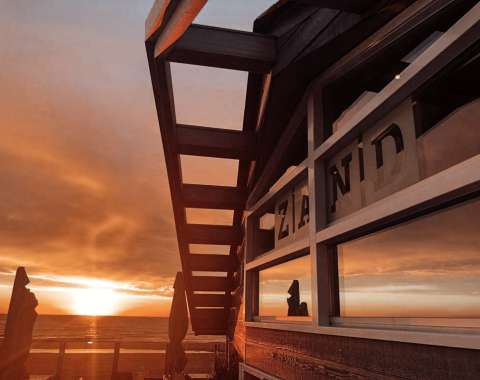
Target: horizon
<point x="95" y="316"/>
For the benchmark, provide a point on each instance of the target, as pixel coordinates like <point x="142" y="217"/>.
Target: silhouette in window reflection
<point x="295" y="308"/>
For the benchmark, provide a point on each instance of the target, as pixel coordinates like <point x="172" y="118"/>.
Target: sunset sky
<point x="84" y="198"/>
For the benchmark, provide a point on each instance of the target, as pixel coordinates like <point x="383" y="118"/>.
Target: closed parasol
<point x="18" y="329"/>
<point x="175" y="359"/>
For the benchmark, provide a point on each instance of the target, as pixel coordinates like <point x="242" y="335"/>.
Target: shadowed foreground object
<point x="175" y="359"/>
<point x="18" y="329"/>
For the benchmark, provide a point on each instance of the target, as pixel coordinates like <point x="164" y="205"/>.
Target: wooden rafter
<point x="213" y="197"/>
<point x="213" y="234"/>
<point x="210" y="283"/>
<point x="215" y="263"/>
<point x="224" y="48"/>
<point x="211" y="300"/>
<point x="215" y="142"/>
<point x="351" y="6"/>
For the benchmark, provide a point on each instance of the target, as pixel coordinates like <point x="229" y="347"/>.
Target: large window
<point x="429" y="267"/>
<point x="285" y="291"/>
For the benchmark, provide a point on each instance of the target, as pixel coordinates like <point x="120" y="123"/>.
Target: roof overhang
<point x="168" y="20"/>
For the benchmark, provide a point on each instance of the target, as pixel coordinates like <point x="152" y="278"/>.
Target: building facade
<point x="355" y="246"/>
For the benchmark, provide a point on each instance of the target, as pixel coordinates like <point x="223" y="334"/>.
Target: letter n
<point x="337" y="181"/>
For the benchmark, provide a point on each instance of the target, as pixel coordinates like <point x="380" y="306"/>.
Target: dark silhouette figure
<point x="295" y="308"/>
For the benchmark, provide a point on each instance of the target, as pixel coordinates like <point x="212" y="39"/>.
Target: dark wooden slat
<point x="215" y="142"/>
<point x="210" y="283"/>
<point x="210" y="332"/>
<point x="303" y="36"/>
<point x="211" y="300"/>
<point x="225" y="48"/>
<point x="213" y="197"/>
<point x="213" y="263"/>
<point x="210" y="324"/>
<point x="285" y="20"/>
<point x="215" y="314"/>
<point x="352" y="6"/>
<point x="213" y="234"/>
<point x="209" y="319"/>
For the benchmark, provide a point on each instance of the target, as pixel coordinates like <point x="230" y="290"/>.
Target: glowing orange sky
<point x="84" y="194"/>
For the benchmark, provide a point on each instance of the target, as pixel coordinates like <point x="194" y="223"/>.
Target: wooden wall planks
<point x="294" y="355"/>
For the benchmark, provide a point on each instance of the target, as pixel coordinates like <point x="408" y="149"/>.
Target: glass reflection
<point x="285" y="291"/>
<point x="429" y="267"/>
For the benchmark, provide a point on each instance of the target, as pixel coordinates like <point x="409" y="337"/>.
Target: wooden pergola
<point x="171" y="37"/>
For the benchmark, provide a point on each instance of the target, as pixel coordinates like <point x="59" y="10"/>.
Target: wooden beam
<point x="210" y="332"/>
<point x="213" y="197"/>
<point x="210" y="284"/>
<point x="213" y="263"/>
<point x="211" y="300"/>
<point x="163" y="94"/>
<point x="218" y="324"/>
<point x="215" y="142"/>
<point x="215" y="314"/>
<point x="224" y="48"/>
<point x="213" y="234"/>
<point x="351" y="6"/>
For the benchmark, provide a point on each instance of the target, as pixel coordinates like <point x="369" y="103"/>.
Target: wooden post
<point x="324" y="272"/>
<point x="116" y="358"/>
<point x="61" y="356"/>
<point x="227" y="352"/>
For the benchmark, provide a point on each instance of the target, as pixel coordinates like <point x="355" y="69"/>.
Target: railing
<point x="107" y="359"/>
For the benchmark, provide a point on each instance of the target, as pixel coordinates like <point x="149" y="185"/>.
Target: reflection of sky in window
<point x="275" y="282"/>
<point x="429" y="267"/>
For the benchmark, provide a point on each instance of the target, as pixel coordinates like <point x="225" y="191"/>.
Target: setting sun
<point x="95" y="301"/>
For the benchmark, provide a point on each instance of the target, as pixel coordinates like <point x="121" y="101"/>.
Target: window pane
<point x="285" y="290"/>
<point x="429" y="267"/>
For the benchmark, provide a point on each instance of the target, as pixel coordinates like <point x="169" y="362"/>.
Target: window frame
<point x="434" y="192"/>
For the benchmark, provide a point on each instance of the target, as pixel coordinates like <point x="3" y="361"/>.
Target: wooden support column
<point x="116" y="359"/>
<point x="323" y="257"/>
<point x="163" y="92"/>
<point x="60" y="360"/>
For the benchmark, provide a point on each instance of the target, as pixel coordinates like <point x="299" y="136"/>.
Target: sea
<point x="116" y="328"/>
